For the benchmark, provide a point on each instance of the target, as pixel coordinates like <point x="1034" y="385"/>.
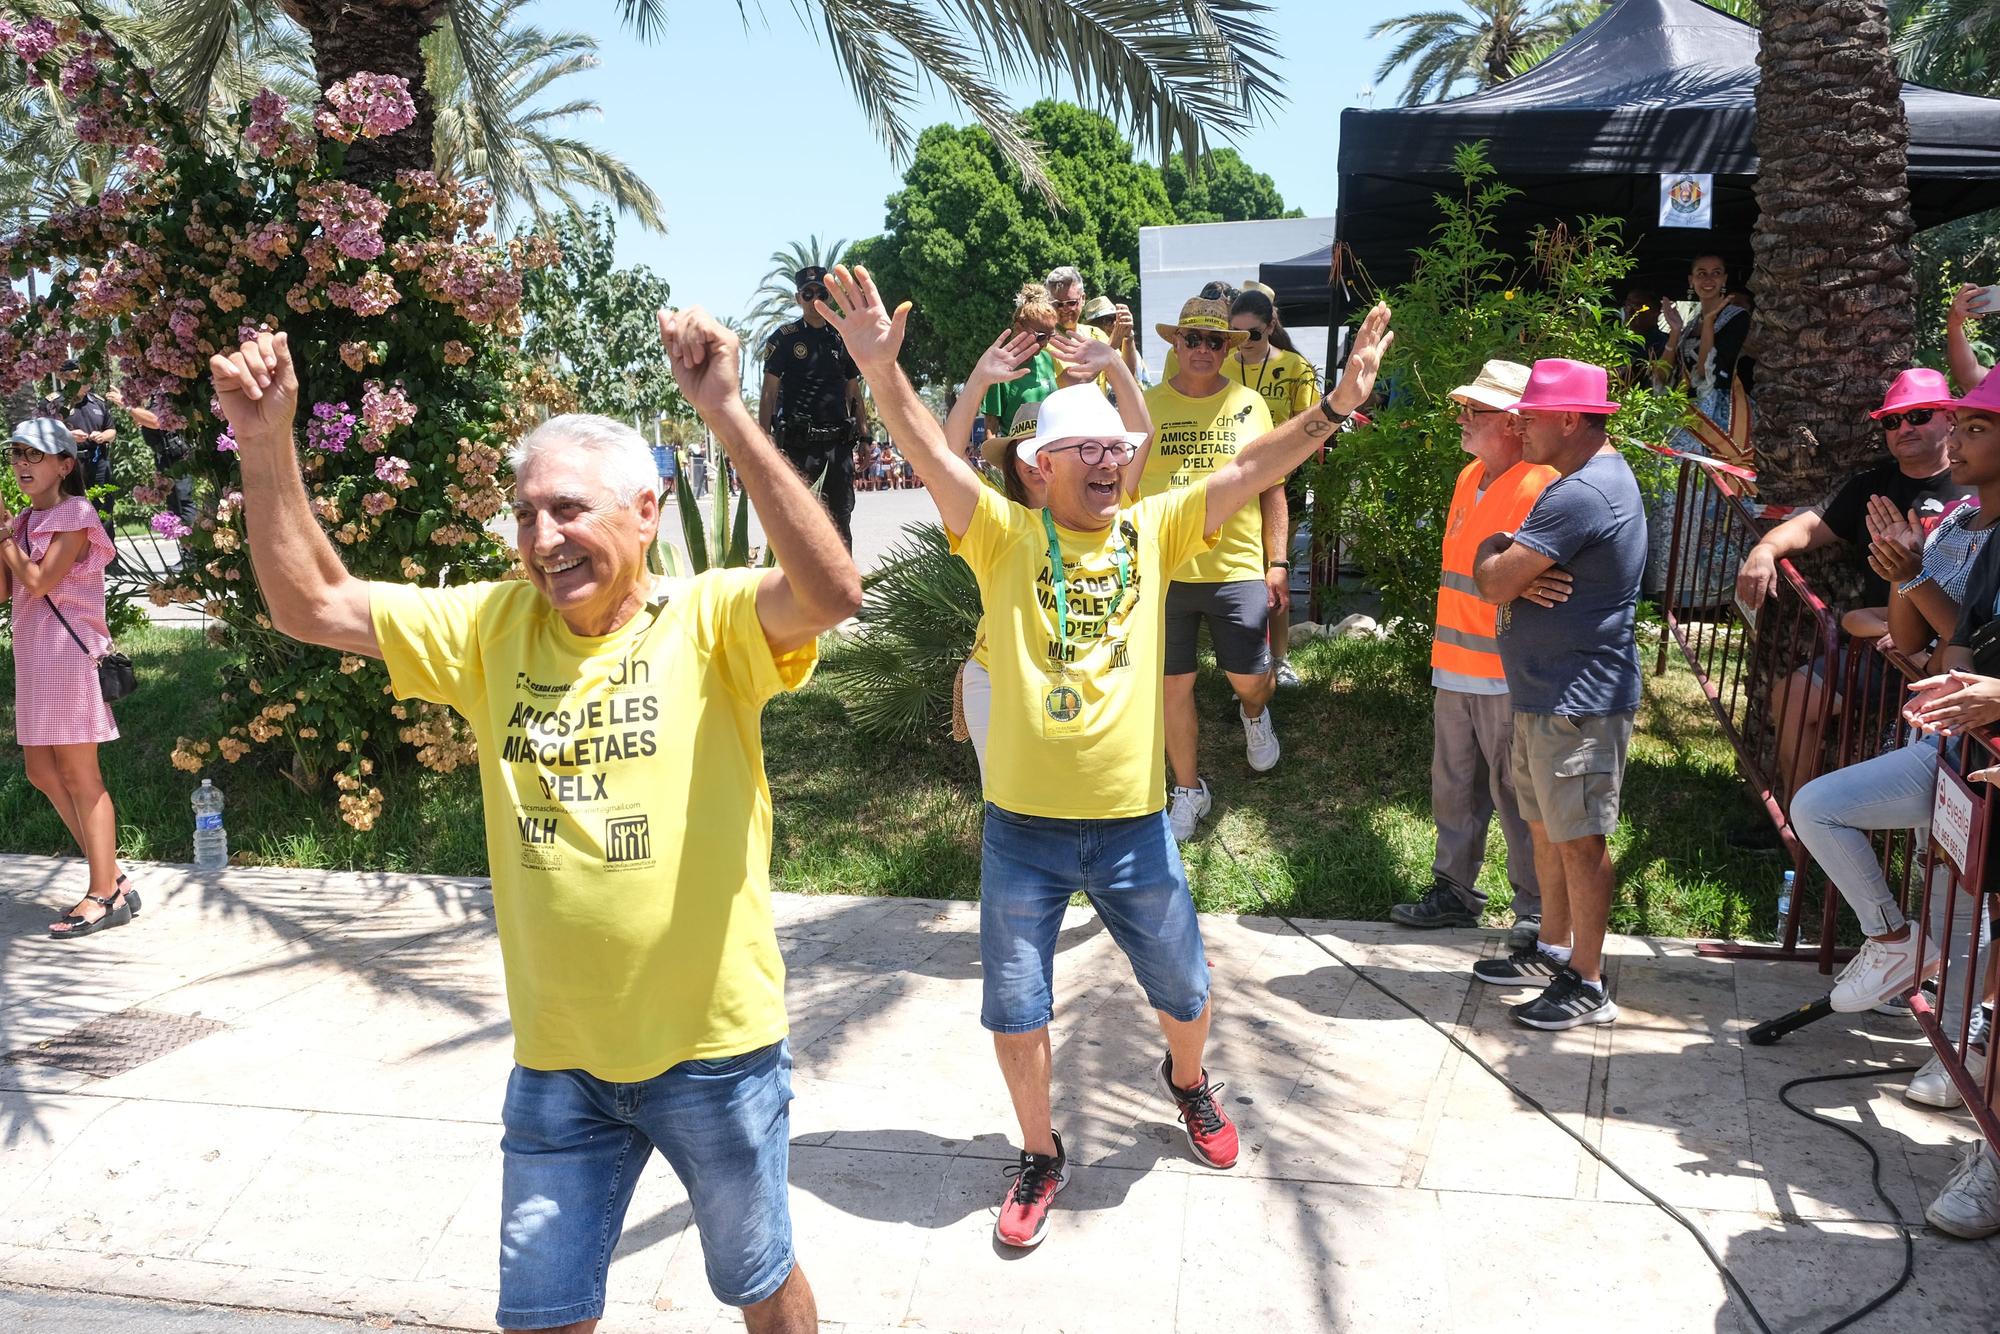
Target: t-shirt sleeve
<point x="996" y="523"/>
<point x="1181" y="514"/>
<point x="770" y="354"/>
<point x="1565" y="519"/>
<point x="75" y="515"/>
<point x="993" y="403"/>
<point x="726" y="627"/>
<point x="1844" y="513"/>
<point x="429" y="639"/>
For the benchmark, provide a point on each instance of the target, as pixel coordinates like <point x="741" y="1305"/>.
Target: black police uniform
<point x="814" y="429"/>
<point x="90" y="414"/>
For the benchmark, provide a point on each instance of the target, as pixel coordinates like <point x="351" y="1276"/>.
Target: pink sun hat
<point x="1918" y="387"/>
<point x="1557" y="384"/>
<point x="1985" y="397"/>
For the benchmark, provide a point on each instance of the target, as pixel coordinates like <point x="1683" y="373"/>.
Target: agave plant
<point x="918" y="616"/>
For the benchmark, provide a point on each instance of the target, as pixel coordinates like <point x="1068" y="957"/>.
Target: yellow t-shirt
<point x="1285" y="380"/>
<point x="1077" y="729"/>
<point x="628" y="823"/>
<point x="1192" y="437"/>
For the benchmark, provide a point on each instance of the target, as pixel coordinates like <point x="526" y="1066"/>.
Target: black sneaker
<point x="1567" y="1002"/>
<point x="1525" y="967"/>
<point x="1441" y="906"/>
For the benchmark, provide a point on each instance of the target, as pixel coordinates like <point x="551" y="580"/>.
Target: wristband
<point x="1277" y="565"/>
<point x="1330" y="412"/>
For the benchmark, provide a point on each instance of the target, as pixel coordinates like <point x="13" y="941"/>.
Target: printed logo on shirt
<point x="628" y="841"/>
<point x="539" y="849"/>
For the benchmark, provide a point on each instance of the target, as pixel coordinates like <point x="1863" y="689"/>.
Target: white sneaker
<point x="1287" y="678"/>
<point x="1932" y="1087"/>
<point x="1260" y="739"/>
<point x="1969" y="1204"/>
<point x="1883" y="969"/>
<point x="1186" y="806"/>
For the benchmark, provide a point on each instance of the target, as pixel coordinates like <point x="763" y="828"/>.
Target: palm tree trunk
<point x="376" y="37"/>
<point x="1835" y="293"/>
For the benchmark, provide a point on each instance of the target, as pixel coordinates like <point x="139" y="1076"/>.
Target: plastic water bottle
<point x="211" y="840"/>
<point x="1785" y="902"/>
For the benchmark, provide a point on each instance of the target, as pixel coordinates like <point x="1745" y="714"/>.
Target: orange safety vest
<point x="1464" y="639"/>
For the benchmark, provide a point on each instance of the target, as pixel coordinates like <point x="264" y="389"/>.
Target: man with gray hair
<point x="629" y="833"/>
<point x="1066" y="294"/>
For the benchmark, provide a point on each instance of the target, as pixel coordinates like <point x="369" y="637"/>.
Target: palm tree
<point x="511" y="145"/>
<point x="776" y="297"/>
<point x="1169" y="71"/>
<point x="1835" y="313"/>
<point x="1446" y="49"/>
<point x="1949" y="43"/>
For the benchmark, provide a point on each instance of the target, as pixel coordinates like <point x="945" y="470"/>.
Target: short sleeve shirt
<point x="1285" y="381"/>
<point x="1578" y="658"/>
<point x="1077" y="727"/>
<point x="628" y="823"/>
<point x="1847" y="512"/>
<point x="1192" y="437"/>
<point x="813" y="371"/>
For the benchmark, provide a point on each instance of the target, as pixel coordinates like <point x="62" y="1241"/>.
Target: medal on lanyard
<point x="1062" y="706"/>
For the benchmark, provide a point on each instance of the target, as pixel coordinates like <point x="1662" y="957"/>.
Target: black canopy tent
<point x="1653" y="86"/>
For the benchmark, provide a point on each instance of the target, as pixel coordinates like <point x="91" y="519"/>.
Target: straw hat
<point x="1498" y="385"/>
<point x="1099" y="307"/>
<point x="1207" y="316"/>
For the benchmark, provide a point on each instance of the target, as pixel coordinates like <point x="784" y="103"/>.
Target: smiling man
<point x="1074" y="777"/>
<point x="628" y="824"/>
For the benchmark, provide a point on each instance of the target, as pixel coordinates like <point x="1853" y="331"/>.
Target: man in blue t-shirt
<point x="1567" y="584"/>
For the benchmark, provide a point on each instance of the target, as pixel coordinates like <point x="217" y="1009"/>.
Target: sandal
<point x="130" y="894"/>
<point x="73" y="925"/>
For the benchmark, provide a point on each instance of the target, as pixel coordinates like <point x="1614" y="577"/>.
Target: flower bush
<point x="404" y="318"/>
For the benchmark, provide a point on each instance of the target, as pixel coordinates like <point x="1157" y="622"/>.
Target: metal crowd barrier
<point x="1743" y="659"/>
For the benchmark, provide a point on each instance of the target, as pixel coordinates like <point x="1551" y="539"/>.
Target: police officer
<point x="88" y="417"/>
<point x="811" y="403"/>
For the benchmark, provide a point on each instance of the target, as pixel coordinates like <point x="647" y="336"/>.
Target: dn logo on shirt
<point x="627" y="839"/>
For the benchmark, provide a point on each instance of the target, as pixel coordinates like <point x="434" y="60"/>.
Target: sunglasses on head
<point x="1214" y="342"/>
<point x="1915" y="417"/>
<point x="1093" y="452"/>
<point x="1043" y="335"/>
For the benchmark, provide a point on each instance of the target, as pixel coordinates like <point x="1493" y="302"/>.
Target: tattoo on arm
<point x="1318" y="427"/>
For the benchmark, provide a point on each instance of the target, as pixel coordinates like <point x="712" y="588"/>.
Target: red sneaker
<point x="1024" y="1213"/>
<point x="1211" y="1134"/>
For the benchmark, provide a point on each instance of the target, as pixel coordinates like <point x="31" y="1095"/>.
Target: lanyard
<point x="1061" y="576"/>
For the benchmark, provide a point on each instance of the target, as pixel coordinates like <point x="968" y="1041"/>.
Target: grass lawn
<point x="1339" y="829"/>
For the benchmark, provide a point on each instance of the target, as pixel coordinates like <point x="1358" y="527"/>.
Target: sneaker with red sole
<point x="1211" y="1134"/>
<point x="1024" y="1213"/>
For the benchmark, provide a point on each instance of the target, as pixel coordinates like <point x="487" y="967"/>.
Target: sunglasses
<point x="1214" y="342"/>
<point x="1471" y="410"/>
<point x="1093" y="452"/>
<point x="1074" y="303"/>
<point x="1256" y="335"/>
<point x="1915" y="417"/>
<point x="24" y="454"/>
<point x="1043" y="335"/>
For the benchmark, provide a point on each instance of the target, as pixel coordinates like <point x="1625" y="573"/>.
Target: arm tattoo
<point x="1319" y="427"/>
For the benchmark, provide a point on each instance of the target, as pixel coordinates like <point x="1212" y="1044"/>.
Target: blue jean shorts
<point x="1131" y="872"/>
<point x="574" y="1146"/>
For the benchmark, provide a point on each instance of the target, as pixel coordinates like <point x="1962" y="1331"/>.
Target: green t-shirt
<point x="1003" y="399"/>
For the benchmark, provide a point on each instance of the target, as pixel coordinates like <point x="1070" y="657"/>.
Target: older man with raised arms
<point x="628" y="824"/>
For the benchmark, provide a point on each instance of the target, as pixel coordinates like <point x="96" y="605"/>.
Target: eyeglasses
<point x="1093" y="452"/>
<point x="1471" y="410"/>
<point x="1915" y="417"/>
<point x="23" y="454"/>
<point x="1214" y="342"/>
<point x="1256" y="335"/>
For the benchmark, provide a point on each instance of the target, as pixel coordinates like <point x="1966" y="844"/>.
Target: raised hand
<point x="1372" y="342"/>
<point x="258" y="389"/>
<point x="872" y="334"/>
<point x="1121" y="326"/>
<point x="704" y="356"/>
<point x="1005" y="359"/>
<point x="1082" y="358"/>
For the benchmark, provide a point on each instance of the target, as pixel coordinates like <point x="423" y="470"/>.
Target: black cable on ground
<point x="1729" y="1278"/>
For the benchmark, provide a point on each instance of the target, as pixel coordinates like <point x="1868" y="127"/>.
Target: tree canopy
<point x="967" y="229"/>
<point x="596" y="321"/>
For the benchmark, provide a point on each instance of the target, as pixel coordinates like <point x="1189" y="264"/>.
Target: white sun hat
<point x="1080" y="412"/>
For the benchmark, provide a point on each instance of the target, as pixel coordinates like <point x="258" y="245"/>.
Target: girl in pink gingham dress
<point x="57" y="549"/>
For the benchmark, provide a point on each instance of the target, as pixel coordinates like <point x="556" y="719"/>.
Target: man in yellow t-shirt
<point x="628" y="824"/>
<point x="1201" y="420"/>
<point x="1065" y="287"/>
<point x="1074" y="781"/>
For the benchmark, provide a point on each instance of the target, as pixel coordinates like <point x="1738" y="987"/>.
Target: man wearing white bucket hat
<point x="1075" y="774"/>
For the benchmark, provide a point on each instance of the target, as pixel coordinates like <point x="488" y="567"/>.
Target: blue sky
<point x="753" y="141"/>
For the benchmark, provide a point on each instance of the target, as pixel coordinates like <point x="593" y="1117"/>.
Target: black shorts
<point x="1237" y="613"/>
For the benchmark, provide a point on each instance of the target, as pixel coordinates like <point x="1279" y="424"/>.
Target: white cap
<point x="1080" y="412"/>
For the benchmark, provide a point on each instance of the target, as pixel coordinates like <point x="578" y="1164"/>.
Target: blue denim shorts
<point x="1131" y="872"/>
<point x="574" y="1146"/>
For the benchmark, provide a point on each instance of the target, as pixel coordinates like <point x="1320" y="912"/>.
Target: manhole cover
<point x="117" y="1042"/>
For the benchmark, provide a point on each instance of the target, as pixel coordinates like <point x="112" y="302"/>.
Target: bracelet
<point x="1330" y="412"/>
<point x="1908" y="584"/>
<point x="1277" y="565"/>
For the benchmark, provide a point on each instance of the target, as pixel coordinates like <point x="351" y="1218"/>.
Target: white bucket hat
<point x="1499" y="385"/>
<point x="1080" y="412"/>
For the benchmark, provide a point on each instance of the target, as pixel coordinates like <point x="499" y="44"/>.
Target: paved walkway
<point x="295" y="1078"/>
